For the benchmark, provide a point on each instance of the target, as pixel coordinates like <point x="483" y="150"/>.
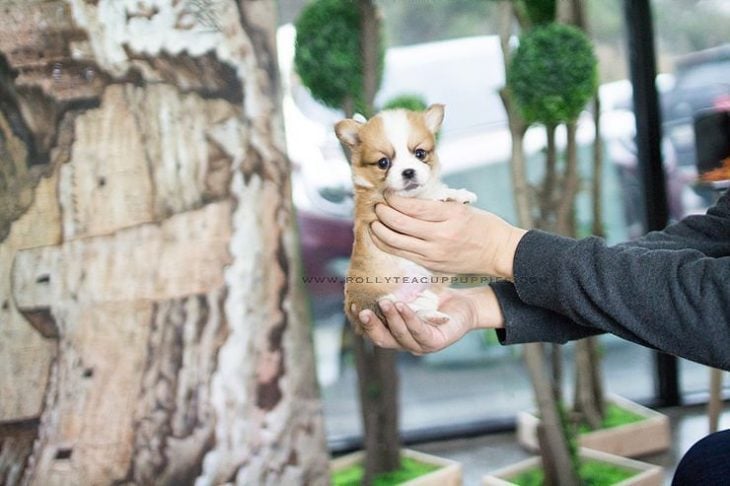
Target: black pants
<point x="707" y="463"/>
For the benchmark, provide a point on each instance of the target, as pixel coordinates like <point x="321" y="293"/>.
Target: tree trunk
<point x="376" y="367"/>
<point x="378" y="389"/>
<point x="548" y="198"/>
<point x="555" y="449"/>
<point x="597" y="184"/>
<point x="588" y="405"/>
<point x="554" y="446"/>
<point x="153" y="324"/>
<point x="369" y="48"/>
<point x="590" y="401"/>
<point x="714" y="406"/>
<point x="565" y="211"/>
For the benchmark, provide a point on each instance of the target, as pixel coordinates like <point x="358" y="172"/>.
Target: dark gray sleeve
<point x="528" y="324"/>
<point x="709" y="234"/>
<point x="676" y="300"/>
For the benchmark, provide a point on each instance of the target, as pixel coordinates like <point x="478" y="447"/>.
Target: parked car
<point x="702" y="83"/>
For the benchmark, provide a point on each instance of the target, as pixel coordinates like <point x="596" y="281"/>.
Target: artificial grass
<point x="410" y="469"/>
<point x="614" y="417"/>
<point x="592" y="473"/>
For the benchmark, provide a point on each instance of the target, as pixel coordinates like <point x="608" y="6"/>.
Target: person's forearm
<point x="487" y="309"/>
<point x="504" y="264"/>
<point x="674" y="300"/>
<point x="523" y="323"/>
<point x="498" y="307"/>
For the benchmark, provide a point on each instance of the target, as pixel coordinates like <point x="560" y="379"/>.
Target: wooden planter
<point x="646" y="474"/>
<point x="448" y="474"/>
<point x="631" y="440"/>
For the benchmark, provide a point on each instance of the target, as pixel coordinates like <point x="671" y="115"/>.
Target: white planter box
<point x="631" y="440"/>
<point x="448" y="474"/>
<point x="646" y="474"/>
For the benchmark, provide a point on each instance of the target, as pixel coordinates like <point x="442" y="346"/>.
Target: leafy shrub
<point x="327" y="57"/>
<point x="409" y="101"/>
<point x="553" y="74"/>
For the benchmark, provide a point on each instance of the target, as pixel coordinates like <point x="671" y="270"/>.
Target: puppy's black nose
<point x="409" y="174"/>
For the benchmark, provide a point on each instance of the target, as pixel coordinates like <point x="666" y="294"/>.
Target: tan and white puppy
<point x="393" y="152"/>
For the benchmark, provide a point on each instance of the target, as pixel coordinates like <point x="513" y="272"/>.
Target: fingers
<point x="420" y="331"/>
<point x="402" y="223"/>
<point x="376" y="331"/>
<point x="404" y="329"/>
<point x="397" y="326"/>
<point x="422" y="209"/>
<point x="396" y="240"/>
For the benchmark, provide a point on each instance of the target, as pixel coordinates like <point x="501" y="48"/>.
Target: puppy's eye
<point x="420" y="154"/>
<point x="384" y="163"/>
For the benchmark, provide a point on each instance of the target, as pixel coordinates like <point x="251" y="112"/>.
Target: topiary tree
<point x="339" y="57"/>
<point x="407" y="101"/>
<point x="329" y="58"/>
<point x="553" y="74"/>
<point x="550" y="78"/>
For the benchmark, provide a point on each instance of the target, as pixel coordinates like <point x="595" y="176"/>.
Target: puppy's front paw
<point x="459" y="195"/>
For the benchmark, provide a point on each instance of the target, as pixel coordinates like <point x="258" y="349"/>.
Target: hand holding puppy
<point x="468" y="309"/>
<point x="446" y="236"/>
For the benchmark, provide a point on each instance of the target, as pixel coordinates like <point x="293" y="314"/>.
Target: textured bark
<point x="153" y="328"/>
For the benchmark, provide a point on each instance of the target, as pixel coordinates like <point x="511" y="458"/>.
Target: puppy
<point x="393" y="152"/>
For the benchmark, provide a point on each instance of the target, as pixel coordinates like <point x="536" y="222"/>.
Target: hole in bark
<point x="88" y="373"/>
<point x="64" y="453"/>
<point x="42" y="279"/>
<point x="6" y="305"/>
<point x="101" y="181"/>
<point x="42" y="320"/>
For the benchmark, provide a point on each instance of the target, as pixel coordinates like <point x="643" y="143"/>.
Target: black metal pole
<point x="642" y="64"/>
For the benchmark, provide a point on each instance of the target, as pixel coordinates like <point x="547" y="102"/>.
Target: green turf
<point x="592" y="473"/>
<point x="410" y="469"/>
<point x="614" y="417"/>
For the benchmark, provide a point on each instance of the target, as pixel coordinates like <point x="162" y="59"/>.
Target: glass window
<point x="454" y="57"/>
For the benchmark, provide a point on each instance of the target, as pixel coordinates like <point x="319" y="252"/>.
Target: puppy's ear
<point x="434" y="116"/>
<point x="348" y="131"/>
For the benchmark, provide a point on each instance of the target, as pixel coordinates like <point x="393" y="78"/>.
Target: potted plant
<point x="339" y="57"/>
<point x="595" y="468"/>
<point x="628" y="429"/>
<point x="595" y="418"/>
<point x="550" y="78"/>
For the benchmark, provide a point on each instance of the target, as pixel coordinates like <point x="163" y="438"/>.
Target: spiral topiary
<point x="328" y="56"/>
<point x="553" y="74"/>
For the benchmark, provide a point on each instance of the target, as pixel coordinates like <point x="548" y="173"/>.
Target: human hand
<point x="467" y="308"/>
<point x="446" y="236"/>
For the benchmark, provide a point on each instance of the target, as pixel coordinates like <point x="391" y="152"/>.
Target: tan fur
<point x="368" y="143"/>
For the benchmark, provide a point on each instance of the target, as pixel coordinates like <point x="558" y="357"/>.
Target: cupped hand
<point x="446" y="236"/>
<point x="467" y="308"/>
